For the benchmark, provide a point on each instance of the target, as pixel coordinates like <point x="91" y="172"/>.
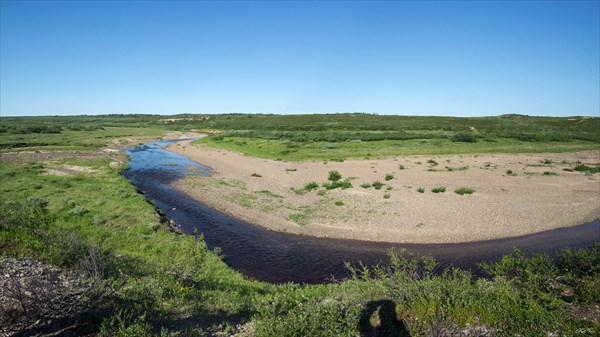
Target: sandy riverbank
<point x="260" y="192"/>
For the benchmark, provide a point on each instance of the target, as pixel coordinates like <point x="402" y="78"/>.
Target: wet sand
<point x="260" y="191"/>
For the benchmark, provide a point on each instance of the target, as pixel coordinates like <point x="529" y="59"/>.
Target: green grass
<point x="269" y="194"/>
<point x="464" y="190"/>
<point x="377" y="184"/>
<point x="75" y="140"/>
<point x="314" y="151"/>
<point x="164" y="280"/>
<point x="587" y="169"/>
<point x="438" y="190"/>
<point x="353" y="135"/>
<point x="389" y="177"/>
<point x="311" y="186"/>
<point x="140" y="251"/>
<point x="167" y="277"/>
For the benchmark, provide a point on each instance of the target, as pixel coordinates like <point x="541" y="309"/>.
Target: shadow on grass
<point x="379" y="319"/>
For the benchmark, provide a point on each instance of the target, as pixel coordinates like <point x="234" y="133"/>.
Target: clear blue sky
<point x="412" y="58"/>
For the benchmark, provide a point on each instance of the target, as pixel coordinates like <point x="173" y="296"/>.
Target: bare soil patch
<point x="65" y="170"/>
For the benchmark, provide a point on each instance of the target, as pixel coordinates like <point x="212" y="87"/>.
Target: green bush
<point x="311" y="186"/>
<point x="532" y="276"/>
<point x="464" y="190"/>
<point x="464" y="137"/>
<point x="586" y="168"/>
<point x="421" y="190"/>
<point x="389" y="177"/>
<point x="377" y="184"/>
<point x="438" y="190"/>
<point x="334" y="176"/>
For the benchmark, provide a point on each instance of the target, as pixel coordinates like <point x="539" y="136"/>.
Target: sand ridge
<point x="262" y="192"/>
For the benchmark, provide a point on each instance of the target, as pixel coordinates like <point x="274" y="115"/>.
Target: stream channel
<point x="277" y="257"/>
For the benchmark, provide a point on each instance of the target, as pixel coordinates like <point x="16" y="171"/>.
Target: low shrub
<point x="344" y="184"/>
<point x="334" y="176"/>
<point x="377" y="185"/>
<point x="389" y="177"/>
<point x="464" y="190"/>
<point x="585" y="168"/>
<point x="464" y="137"/>
<point x="311" y="186"/>
<point x="438" y="190"/>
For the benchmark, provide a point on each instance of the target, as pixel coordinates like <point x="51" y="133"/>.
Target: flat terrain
<point x="66" y="211"/>
<point x="513" y="194"/>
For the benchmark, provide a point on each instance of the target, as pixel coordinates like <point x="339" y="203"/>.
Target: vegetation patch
<point x="299" y="218"/>
<point x="438" y="190"/>
<point x="336" y="182"/>
<point x="269" y="194"/>
<point x="157" y="279"/>
<point x="243" y="199"/>
<point x="587" y="169"/>
<point x="311" y="186"/>
<point x="453" y="169"/>
<point x="464" y="190"/>
<point x="377" y="184"/>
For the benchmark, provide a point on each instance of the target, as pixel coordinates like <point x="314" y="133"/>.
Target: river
<point x="279" y="257"/>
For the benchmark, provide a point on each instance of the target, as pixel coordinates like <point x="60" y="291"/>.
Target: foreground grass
<point x="168" y="284"/>
<point x="167" y="277"/>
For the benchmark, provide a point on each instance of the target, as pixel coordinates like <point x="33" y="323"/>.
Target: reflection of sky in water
<point x="152" y="156"/>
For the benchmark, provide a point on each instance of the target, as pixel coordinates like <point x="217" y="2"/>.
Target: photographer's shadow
<point x="379" y="319"/>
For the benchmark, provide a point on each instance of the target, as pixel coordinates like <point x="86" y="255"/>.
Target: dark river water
<point x="278" y="257"/>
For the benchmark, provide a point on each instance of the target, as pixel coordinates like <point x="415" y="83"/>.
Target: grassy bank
<point x="76" y="140"/>
<point x="356" y="149"/>
<point x="156" y="282"/>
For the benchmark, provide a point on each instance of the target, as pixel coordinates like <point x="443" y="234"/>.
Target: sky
<point x="404" y="58"/>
